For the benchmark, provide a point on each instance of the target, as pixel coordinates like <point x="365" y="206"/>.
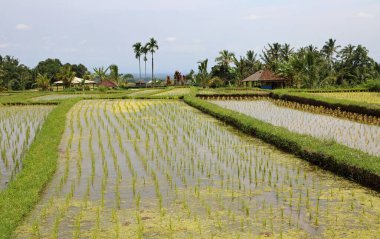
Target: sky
<point x="102" y="32"/>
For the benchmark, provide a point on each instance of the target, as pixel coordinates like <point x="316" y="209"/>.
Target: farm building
<point x="266" y="79"/>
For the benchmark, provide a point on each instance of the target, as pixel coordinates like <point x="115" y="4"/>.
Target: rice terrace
<point x="104" y="136"/>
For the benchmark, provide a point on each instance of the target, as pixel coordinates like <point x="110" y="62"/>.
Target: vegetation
<point x="39" y="165"/>
<point x="199" y="179"/>
<point x="340" y="159"/>
<point x="328" y="128"/>
<point x="18" y="127"/>
<point x="306" y="67"/>
<point x="332" y="103"/>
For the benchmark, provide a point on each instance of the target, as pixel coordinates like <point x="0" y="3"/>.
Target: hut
<point x="140" y="83"/>
<point x="266" y="79"/>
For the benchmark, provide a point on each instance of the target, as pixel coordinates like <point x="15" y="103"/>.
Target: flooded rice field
<point x="349" y="133"/>
<point x="161" y="169"/>
<point x="62" y="97"/>
<point x="18" y="127"/>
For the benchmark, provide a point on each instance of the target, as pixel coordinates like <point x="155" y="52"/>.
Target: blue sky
<point x="101" y="32"/>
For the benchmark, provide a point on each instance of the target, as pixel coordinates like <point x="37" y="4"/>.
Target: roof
<point x="263" y="75"/>
<point x="76" y="80"/>
<point x="108" y="83"/>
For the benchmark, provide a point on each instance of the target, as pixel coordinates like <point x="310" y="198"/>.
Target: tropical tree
<point x="101" y="73"/>
<point x="43" y="81"/>
<point x="225" y="58"/>
<point x="145" y="51"/>
<point x="51" y="67"/>
<point x="271" y="56"/>
<point x="203" y="76"/>
<point x="329" y="49"/>
<point x="240" y="70"/>
<point x="114" y="73"/>
<point x="137" y="48"/>
<point x="66" y="75"/>
<point x="152" y="47"/>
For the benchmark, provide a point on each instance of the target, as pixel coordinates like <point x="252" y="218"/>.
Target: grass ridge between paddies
<point x="39" y="165"/>
<point x="350" y="163"/>
<point x="342" y="104"/>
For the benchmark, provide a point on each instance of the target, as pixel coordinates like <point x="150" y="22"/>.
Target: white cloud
<point x="22" y="27"/>
<point x="364" y="15"/>
<point x="171" y="39"/>
<point x="253" y="17"/>
<point x="83" y="42"/>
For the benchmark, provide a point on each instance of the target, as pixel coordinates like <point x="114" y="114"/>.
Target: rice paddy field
<point x="174" y="92"/>
<point x="144" y="92"/>
<point x="18" y="127"/>
<point x="161" y="169"/>
<point x="367" y="97"/>
<point x="53" y="97"/>
<point x="355" y="135"/>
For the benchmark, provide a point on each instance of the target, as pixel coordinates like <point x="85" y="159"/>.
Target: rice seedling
<point x="368" y="97"/>
<point x="18" y="127"/>
<point x="355" y="135"/>
<point x="164" y="170"/>
<point x="174" y="92"/>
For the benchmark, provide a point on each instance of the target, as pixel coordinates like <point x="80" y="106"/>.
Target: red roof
<point x="108" y="84"/>
<point x="264" y="75"/>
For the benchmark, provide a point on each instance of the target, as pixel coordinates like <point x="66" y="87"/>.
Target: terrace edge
<point x="39" y="165"/>
<point x="341" y="160"/>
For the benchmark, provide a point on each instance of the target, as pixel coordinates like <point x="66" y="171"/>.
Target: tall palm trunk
<point x="140" y="67"/>
<point x="152" y="70"/>
<point x="145" y="60"/>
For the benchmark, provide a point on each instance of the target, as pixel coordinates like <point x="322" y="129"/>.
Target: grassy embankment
<point x="315" y="100"/>
<point x="352" y="164"/>
<point x="39" y="165"/>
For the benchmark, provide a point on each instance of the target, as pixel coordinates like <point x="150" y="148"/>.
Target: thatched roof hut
<point x="267" y="79"/>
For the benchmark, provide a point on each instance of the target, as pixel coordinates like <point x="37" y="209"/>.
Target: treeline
<point x="16" y="76"/>
<point x="306" y="67"/>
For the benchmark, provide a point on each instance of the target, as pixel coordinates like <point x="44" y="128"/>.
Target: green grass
<point x="350" y="163"/>
<point x="345" y="105"/>
<point x="39" y="165"/>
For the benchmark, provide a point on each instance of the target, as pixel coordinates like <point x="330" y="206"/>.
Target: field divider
<point x="335" y="104"/>
<point x="39" y="166"/>
<point x="344" y="161"/>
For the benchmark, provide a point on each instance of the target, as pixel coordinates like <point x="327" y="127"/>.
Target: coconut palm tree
<point x="137" y="48"/>
<point x="66" y="75"/>
<point x="101" y="72"/>
<point x="203" y="76"/>
<point x="152" y="47"/>
<point x="43" y="81"/>
<point x="329" y="49"/>
<point x="114" y="73"/>
<point x="145" y="51"/>
<point x="225" y="58"/>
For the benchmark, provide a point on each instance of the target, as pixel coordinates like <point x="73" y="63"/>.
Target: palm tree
<point x="225" y="58"/>
<point x="203" y="76"/>
<point x="240" y="69"/>
<point x="101" y="73"/>
<point x="114" y="73"/>
<point x="145" y="51"/>
<point x="137" y="48"/>
<point x="329" y="49"/>
<point x="286" y="52"/>
<point x="43" y="81"/>
<point x="66" y="75"/>
<point x="152" y="47"/>
<point x="271" y="55"/>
